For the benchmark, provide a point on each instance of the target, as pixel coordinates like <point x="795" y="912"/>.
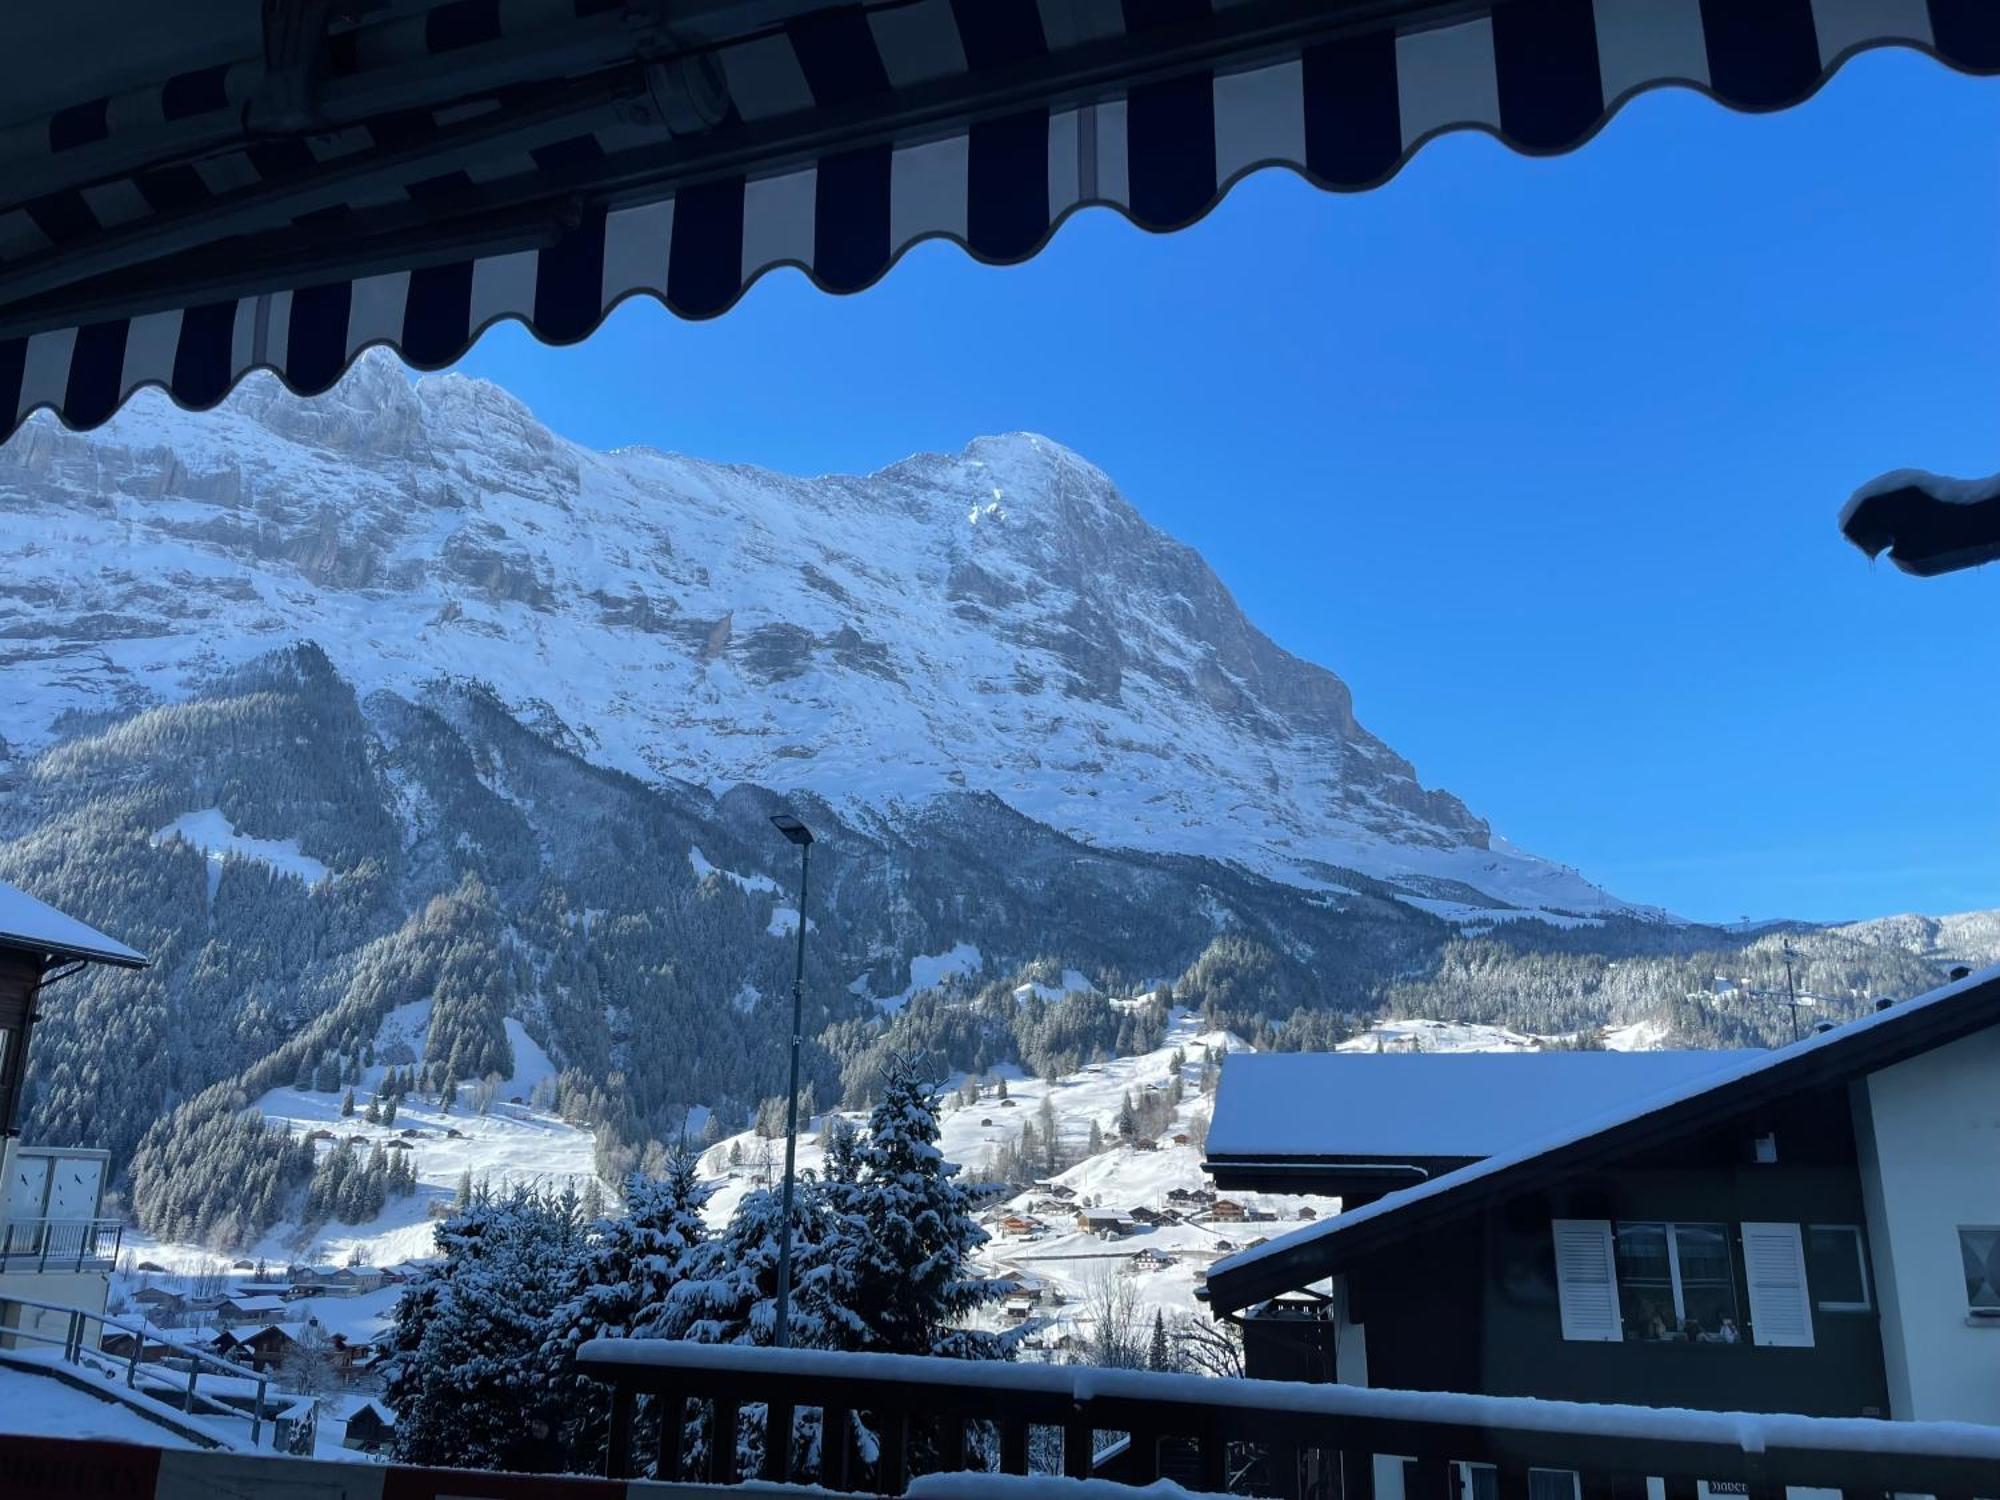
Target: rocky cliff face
<point x="998" y="621"/>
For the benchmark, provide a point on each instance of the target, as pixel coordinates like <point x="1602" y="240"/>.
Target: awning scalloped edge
<point x="1346" y="116"/>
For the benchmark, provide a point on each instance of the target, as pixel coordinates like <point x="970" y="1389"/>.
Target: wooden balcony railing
<point x="1612" y="1449"/>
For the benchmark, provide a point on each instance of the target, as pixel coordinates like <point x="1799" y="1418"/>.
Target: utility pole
<point x="799" y="834"/>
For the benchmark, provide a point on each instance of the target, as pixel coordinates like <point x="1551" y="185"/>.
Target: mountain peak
<point x="997" y="621"/>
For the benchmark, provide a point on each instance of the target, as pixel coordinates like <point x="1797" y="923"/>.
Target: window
<point x="1677" y="1283"/>
<point x="1980" y="1250"/>
<point x="1836" y="1267"/>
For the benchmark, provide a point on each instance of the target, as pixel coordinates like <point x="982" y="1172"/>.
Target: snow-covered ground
<point x="38" y="1405"/>
<point x="512" y="1142"/>
<point x="209" y="831"/>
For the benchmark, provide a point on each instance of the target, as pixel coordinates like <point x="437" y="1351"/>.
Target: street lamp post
<point x="801" y="835"/>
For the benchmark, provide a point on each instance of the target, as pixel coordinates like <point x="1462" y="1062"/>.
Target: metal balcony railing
<point x="153" y="1364"/>
<point x="60" y="1244"/>
<point x="1252" y="1436"/>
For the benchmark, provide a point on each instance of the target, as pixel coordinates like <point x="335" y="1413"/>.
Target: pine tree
<point x="373" y="1114"/>
<point x="1157" y="1355"/>
<point x="1096" y="1138"/>
<point x="389" y="1110"/>
<point x="347" y="1106"/>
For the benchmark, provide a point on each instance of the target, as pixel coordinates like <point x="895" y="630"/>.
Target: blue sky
<point x="1542" y="456"/>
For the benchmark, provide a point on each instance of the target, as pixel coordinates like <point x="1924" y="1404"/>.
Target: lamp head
<point x="795" y="831"/>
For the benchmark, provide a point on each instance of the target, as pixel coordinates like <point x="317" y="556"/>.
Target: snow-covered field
<point x="512" y="1142"/>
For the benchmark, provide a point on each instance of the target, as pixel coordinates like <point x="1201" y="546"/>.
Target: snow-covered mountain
<point x="998" y="621"/>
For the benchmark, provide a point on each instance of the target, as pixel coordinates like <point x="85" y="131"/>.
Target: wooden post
<point x="1513" y="1480"/>
<point x="1077" y="1446"/>
<point x="1145" y="1451"/>
<point x="673" y="1435"/>
<point x="777" y="1465"/>
<point x="951" y="1443"/>
<point x="892" y="1474"/>
<point x="1013" y="1446"/>
<point x="836" y="1445"/>
<point x="618" y="1437"/>
<point x="1213" y="1449"/>
<point x="722" y="1441"/>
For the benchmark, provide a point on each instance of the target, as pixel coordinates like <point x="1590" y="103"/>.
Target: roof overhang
<point x="1835" y="1057"/>
<point x="288" y="183"/>
<point x="31" y="926"/>
<point x="1927" y="523"/>
<point x="1351" y="1180"/>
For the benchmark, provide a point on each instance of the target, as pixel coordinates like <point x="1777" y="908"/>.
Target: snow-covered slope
<point x="999" y="620"/>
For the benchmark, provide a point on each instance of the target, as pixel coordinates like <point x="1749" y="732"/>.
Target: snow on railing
<point x="1244" y="1434"/>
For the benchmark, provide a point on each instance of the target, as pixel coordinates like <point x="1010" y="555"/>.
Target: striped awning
<point x="408" y="173"/>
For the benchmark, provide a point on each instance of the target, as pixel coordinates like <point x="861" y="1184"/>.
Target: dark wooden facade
<point x="1474" y="1307"/>
<point x="20" y="981"/>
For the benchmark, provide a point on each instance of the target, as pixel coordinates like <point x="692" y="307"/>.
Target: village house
<point x="1814" y="1230"/>
<point x="57" y="1246"/>
<point x="1226" y="1211"/>
<point x="370" y="1429"/>
<point x="1104" y="1221"/>
<point x="263" y="1351"/>
<point x="237" y="1312"/>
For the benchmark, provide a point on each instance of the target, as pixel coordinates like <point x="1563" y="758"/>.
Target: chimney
<point x="1884" y="1003"/>
<point x="1821" y="1028"/>
<point x="1958" y="972"/>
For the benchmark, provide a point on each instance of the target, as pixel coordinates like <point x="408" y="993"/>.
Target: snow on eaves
<point x="26" y="922"/>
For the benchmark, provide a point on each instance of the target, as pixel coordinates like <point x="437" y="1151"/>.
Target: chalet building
<point x="266" y="1349"/>
<point x="1104" y="1221"/>
<point x="56" y="1245"/>
<point x="237" y="1312"/>
<point x="370" y="1428"/>
<point x="1814" y="1230"/>
<point x="1227" y="1211"/>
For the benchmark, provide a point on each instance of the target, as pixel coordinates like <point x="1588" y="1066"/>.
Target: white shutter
<point x="1774" y="1259"/>
<point x="1587" y="1280"/>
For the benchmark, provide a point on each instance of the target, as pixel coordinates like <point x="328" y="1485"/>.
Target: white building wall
<point x="1929" y="1142"/>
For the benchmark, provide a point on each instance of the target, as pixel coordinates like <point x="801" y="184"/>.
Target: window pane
<point x="1981" y="1250"/>
<point x="1708" y="1284"/>
<point x="1551" y="1484"/>
<point x="1833" y="1265"/>
<point x="1645" y="1282"/>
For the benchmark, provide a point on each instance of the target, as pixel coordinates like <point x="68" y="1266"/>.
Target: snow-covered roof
<point x="28" y="923"/>
<point x="1429" y="1104"/>
<point x="1861" y="1046"/>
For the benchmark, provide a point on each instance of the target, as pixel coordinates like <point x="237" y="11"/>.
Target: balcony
<point x="1248" y="1436"/>
<point x="60" y="1245"/>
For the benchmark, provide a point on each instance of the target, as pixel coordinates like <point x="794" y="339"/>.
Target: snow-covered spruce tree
<point x="467" y="1376"/>
<point x="728" y="1295"/>
<point x="908" y="1229"/>
<point x="629" y="1266"/>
